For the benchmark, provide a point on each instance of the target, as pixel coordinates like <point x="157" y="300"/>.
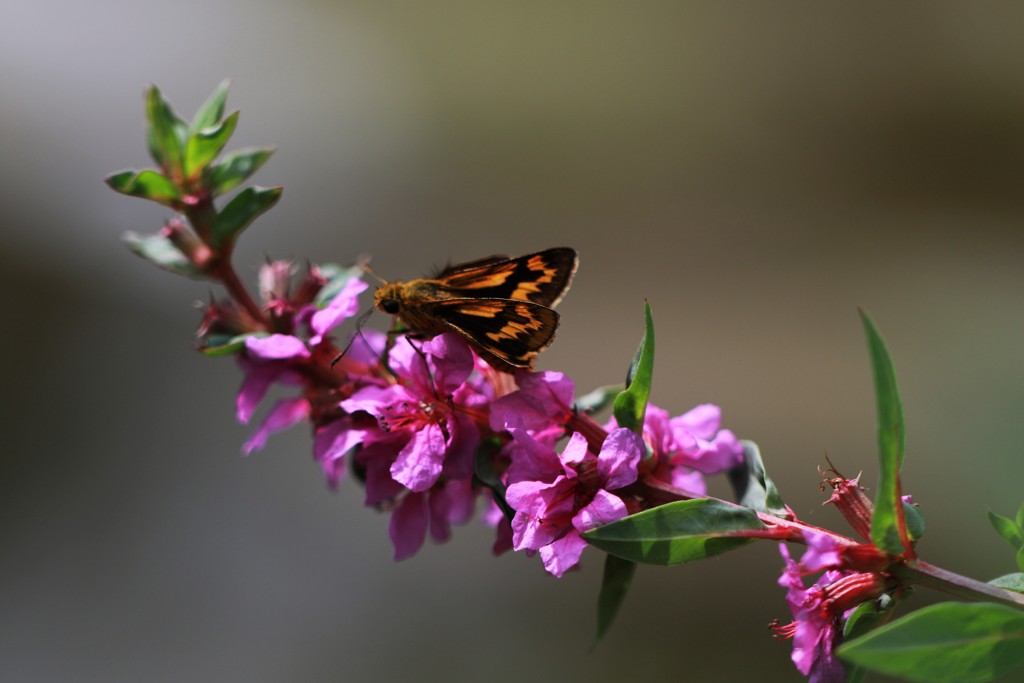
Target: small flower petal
<point x="419" y="463"/>
<point x="408" y="527"/>
<point x="620" y="454"/>
<point x="343" y="306"/>
<point x="284" y="414"/>
<point x="276" y="347"/>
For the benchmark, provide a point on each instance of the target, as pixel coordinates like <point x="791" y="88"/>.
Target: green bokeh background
<point x="756" y="170"/>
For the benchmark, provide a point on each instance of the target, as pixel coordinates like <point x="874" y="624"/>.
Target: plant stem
<point x="924" y="574"/>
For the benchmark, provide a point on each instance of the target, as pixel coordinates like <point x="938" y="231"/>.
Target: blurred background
<point x="757" y="170"/>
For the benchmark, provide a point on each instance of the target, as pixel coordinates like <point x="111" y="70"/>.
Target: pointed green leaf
<point x="235" y="168"/>
<point x="216" y="345"/>
<point x="618" y="577"/>
<point x="864" y="619"/>
<point x="247" y="206"/>
<point x="631" y="405"/>
<point x="161" y="252"/>
<point x="1008" y="529"/>
<point x="1011" y="582"/>
<point x="1020" y="516"/>
<point x="753" y="488"/>
<point x="887" y="518"/>
<point x="206" y="143"/>
<point x="678" y="532"/>
<point x="966" y="643"/>
<point x="146" y="184"/>
<point x="598" y="399"/>
<point x="166" y="132"/>
<point x="212" y="110"/>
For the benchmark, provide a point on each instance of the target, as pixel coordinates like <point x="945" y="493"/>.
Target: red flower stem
<point x="924" y="574"/>
<point x="202" y="215"/>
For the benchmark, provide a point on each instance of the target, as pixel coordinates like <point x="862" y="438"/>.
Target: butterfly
<point x="502" y="306"/>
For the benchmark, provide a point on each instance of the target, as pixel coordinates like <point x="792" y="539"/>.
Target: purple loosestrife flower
<point x="820" y="611"/>
<point x="418" y="415"/>
<point x="686" y="447"/>
<point x="275" y="358"/>
<point x="572" y="494"/>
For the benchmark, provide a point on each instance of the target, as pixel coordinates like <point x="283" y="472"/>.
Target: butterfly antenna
<point x="364" y="265"/>
<point x="360" y="321"/>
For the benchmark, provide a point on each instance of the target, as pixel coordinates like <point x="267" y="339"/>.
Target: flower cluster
<point x="412" y="418"/>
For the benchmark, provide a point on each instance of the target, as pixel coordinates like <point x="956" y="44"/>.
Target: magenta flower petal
<point x="343" y="306"/>
<point x="453" y="361"/>
<point x="543" y="399"/>
<point x="376" y="459"/>
<point x="276" y="347"/>
<point x="701" y="422"/>
<point x="685" y="479"/>
<point x="562" y="555"/>
<point x="543" y="511"/>
<point x="284" y="414"/>
<point x="465" y="437"/>
<point x="419" y="463"/>
<point x="604" y="509"/>
<point x="330" y="444"/>
<point x="822" y="552"/>
<point x="619" y="457"/>
<point x="408" y="527"/>
<point x="258" y="378"/>
<point x="573" y="454"/>
<point x="451" y="504"/>
<point x="531" y="459"/>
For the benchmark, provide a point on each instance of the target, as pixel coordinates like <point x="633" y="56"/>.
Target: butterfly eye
<point x="390" y="306"/>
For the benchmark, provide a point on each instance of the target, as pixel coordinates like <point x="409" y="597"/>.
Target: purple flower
<point x="435" y="510"/>
<point x="431" y="435"/>
<point x="700" y="443"/>
<point x="343" y="306"/>
<point x="815" y="630"/>
<point x="551" y="513"/>
<point x="819" y="611"/>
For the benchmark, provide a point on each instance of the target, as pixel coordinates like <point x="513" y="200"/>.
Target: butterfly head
<point x="388" y="298"/>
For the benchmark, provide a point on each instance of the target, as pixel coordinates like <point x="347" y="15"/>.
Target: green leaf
<point x="631" y="405"/>
<point x="1008" y="529"/>
<point x="166" y="133"/>
<point x="212" y="110"/>
<point x="235" y="168"/>
<point x="678" y="532"/>
<point x="1012" y="582"/>
<point x="1020" y="516"/>
<point x="246" y="207"/>
<point x="618" y="577"/>
<point x="753" y="488"/>
<point x="161" y="252"/>
<point x="1020" y="559"/>
<point x="915" y="521"/>
<point x="864" y="619"/>
<point x="146" y="184"/>
<point x="598" y="399"/>
<point x="216" y="345"/>
<point x="886" y="520"/>
<point x="206" y="143"/>
<point x="966" y="643"/>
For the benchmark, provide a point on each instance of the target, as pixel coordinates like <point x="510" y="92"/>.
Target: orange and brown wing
<point x="540" y="278"/>
<point x="513" y="332"/>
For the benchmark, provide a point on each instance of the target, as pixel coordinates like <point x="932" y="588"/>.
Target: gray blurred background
<point x="757" y="170"/>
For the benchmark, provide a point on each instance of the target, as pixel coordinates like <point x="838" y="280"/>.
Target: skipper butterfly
<point x="502" y="306"/>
